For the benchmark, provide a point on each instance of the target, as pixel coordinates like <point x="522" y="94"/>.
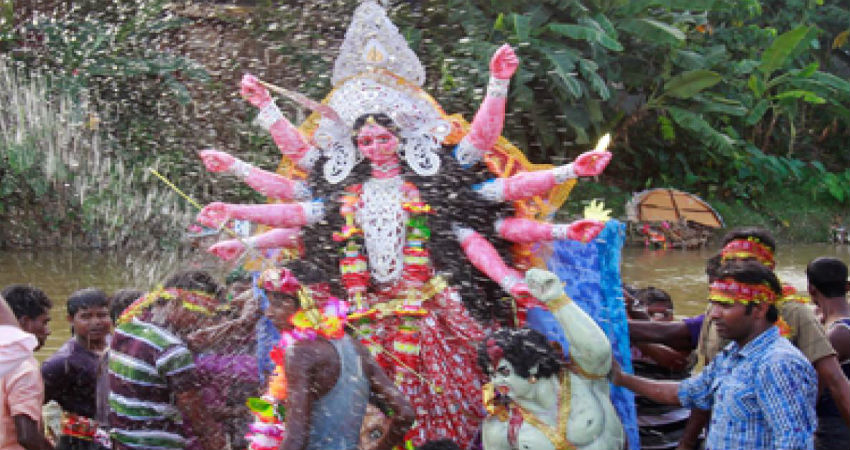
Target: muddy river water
<point x="680" y="273"/>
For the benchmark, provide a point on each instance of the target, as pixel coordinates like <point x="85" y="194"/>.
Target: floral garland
<point x="748" y="248"/>
<point x="354" y="267"/>
<point x="197" y="301"/>
<point x="268" y="431"/>
<point x="731" y="291"/>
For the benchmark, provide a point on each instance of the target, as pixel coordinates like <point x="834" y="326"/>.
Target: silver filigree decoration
<point x="508" y="282"/>
<point x="313" y="211"/>
<point x="492" y="190"/>
<point x="420" y="154"/>
<point x="467" y="153"/>
<point x="240" y="168"/>
<point x="422" y="127"/>
<point x="461" y="232"/>
<point x="498" y="88"/>
<point x="372" y="42"/>
<point x="310" y="158"/>
<point x="301" y="191"/>
<point x="340" y="150"/>
<point x="383" y="222"/>
<point x="560" y="231"/>
<point x="268" y="116"/>
<point x="564" y="173"/>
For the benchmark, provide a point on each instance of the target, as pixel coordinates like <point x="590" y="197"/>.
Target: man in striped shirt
<point x="154" y="399"/>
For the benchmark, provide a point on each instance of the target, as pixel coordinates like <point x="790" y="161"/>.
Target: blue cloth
<point x="267" y="334"/>
<point x="592" y="275"/>
<point x="762" y="396"/>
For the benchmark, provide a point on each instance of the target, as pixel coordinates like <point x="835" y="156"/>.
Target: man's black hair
<point x="86" y="298"/>
<point x="828" y="275"/>
<point x="195" y="280"/>
<point x="712" y="265"/>
<point x="752" y="272"/>
<point x="121" y="300"/>
<point x="652" y="295"/>
<point x="762" y="234"/>
<point x="523" y="348"/>
<point x="26" y="301"/>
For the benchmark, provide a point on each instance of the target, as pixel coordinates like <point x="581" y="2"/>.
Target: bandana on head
<point x="748" y="248"/>
<point x="728" y="290"/>
<point x="197" y="301"/>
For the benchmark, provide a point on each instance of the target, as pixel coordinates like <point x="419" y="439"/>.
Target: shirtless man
<point x="328" y="384"/>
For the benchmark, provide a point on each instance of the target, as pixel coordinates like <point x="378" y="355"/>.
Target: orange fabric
<point x="21" y="392"/>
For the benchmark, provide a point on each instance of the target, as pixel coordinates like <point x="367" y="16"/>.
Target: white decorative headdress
<point x="376" y="72"/>
<point x="373" y="42"/>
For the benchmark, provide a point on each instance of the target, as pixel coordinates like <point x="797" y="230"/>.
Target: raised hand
<point x="214" y="215"/>
<point x="544" y="285"/>
<point x="590" y="164"/>
<point x="504" y="62"/>
<point x="584" y="230"/>
<point x="216" y="161"/>
<point x="227" y="250"/>
<point x="251" y="90"/>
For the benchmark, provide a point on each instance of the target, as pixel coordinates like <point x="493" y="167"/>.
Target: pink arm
<point x="490" y="118"/>
<point x="485" y="258"/>
<point x="282" y="215"/>
<point x="276" y="238"/>
<point x="528" y="184"/>
<point x="267" y="183"/>
<point x="527" y="231"/>
<point x="288" y="139"/>
<point x="277" y="186"/>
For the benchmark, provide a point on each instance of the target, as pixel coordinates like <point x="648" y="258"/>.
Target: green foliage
<point x="708" y="96"/>
<point x="732" y="99"/>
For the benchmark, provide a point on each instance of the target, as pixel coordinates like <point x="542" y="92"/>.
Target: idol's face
<point x="508" y="382"/>
<point x="377" y="143"/>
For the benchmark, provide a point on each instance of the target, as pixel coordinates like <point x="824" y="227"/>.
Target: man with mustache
<point x="760" y="388"/>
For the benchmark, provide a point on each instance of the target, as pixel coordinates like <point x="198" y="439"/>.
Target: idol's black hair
<point x="523" y="348"/>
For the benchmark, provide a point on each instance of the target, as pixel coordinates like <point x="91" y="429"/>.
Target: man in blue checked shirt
<point x="760" y="388"/>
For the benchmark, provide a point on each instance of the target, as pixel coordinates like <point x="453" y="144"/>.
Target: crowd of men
<point x="776" y="364"/>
